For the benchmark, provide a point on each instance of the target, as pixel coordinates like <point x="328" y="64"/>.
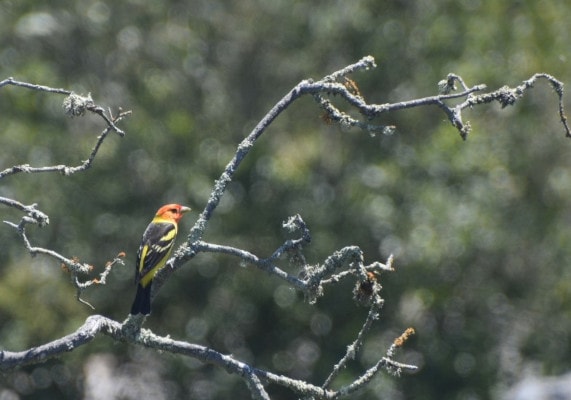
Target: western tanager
<point x="154" y="251"/>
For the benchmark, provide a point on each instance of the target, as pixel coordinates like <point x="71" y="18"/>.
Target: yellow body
<point x="164" y="246"/>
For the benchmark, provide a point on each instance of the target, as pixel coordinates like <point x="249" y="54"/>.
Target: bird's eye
<point x="174" y="210"/>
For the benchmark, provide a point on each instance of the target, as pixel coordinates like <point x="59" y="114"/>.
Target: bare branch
<point x="304" y="87"/>
<point x="329" y="86"/>
<point x="313" y="277"/>
<point x="34" y="216"/>
<point x="74" y="105"/>
<point x="97" y="324"/>
<point x="507" y="96"/>
<point x="354" y="348"/>
<point x="40" y="88"/>
<point x="347" y="262"/>
<point x="265" y="264"/>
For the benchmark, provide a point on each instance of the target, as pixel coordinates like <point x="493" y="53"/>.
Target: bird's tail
<point x="142" y="303"/>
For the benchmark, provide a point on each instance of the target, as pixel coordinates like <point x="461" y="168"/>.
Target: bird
<point x="155" y="249"/>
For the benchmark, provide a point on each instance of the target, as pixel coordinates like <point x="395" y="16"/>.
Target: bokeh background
<point x="480" y="229"/>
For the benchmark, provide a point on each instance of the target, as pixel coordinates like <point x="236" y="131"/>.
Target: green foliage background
<point x="480" y="229"/>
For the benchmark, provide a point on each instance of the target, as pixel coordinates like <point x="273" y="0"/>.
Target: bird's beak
<point x="185" y="209"/>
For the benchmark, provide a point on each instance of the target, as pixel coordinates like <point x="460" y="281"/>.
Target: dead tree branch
<point x="74" y="105"/>
<point x="344" y="263"/>
<point x="96" y="325"/>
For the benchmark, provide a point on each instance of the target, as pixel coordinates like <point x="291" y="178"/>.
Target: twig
<point x="354" y="347"/>
<point x="74" y="105"/>
<point x="41" y="88"/>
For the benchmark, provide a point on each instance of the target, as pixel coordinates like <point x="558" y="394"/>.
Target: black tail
<point x="142" y="303"/>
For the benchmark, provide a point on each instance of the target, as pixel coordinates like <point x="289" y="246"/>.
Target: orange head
<point x="173" y="212"/>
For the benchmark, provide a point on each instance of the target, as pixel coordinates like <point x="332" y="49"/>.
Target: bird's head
<point x="172" y="211"/>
